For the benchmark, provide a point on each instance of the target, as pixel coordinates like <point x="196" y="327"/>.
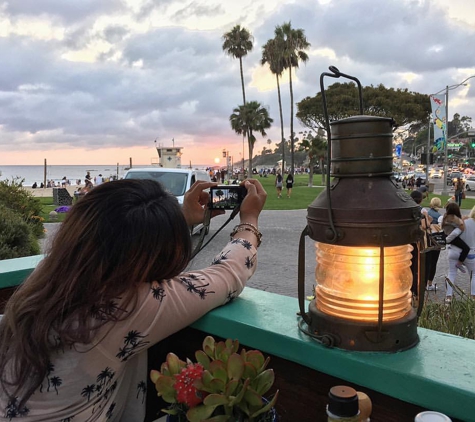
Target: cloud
<point x="148" y="74"/>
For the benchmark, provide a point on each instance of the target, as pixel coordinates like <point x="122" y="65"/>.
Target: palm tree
<point x="294" y="43"/>
<point x="272" y="55"/>
<point x="315" y="147"/>
<point x="248" y="118"/>
<point x="237" y="43"/>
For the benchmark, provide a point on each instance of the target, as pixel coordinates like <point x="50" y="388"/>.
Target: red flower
<point x="184" y="385"/>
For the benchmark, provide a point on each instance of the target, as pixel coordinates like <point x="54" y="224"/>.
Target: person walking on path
<point x="451" y="221"/>
<point x="432" y="257"/>
<point x="75" y="334"/>
<point x="289" y="183"/>
<point x="279" y="181"/>
<point x="468" y="236"/>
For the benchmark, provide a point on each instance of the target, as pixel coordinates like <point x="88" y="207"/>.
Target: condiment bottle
<point x="342" y="404"/>
<point x="430" y="416"/>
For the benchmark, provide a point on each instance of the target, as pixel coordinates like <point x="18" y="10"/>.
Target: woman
<point x="468" y="236"/>
<point x="432" y="257"/>
<point x="459" y="189"/>
<point x="289" y="183"/>
<point x="74" y="337"/>
<point x="278" y="184"/>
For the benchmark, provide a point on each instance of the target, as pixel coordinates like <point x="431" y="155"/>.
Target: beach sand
<point x="47" y="192"/>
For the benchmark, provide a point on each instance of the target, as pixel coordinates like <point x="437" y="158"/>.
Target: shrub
<point x="456" y="317"/>
<point x="16" y="236"/>
<point x="25" y="205"/>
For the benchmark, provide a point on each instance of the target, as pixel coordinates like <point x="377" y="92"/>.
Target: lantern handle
<point x="301" y="276"/>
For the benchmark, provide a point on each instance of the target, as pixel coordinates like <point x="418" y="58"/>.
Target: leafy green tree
<point x="272" y="54"/>
<point x="237" y="43"/>
<point x="408" y="109"/>
<point x="315" y="146"/>
<point x="293" y="43"/>
<point x="247" y="119"/>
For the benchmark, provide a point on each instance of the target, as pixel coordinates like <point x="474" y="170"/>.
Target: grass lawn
<point x="48" y="206"/>
<point x="302" y="196"/>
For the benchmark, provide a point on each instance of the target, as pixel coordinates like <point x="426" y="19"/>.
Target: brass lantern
<point x="365" y="227"/>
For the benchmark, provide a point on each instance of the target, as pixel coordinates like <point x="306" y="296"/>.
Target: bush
<point x="20" y="224"/>
<point x="456" y="317"/>
<point x="14" y="197"/>
<point x="16" y="236"/>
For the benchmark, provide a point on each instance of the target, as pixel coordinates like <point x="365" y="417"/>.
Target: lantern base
<point x="363" y="336"/>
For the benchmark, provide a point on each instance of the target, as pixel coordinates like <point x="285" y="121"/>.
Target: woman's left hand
<point x="195" y="203"/>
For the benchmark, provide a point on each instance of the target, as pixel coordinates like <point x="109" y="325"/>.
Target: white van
<point x="175" y="181"/>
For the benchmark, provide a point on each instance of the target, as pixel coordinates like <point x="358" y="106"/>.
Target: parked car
<point x="437" y="174"/>
<point x="175" y="181"/>
<point x="470" y="183"/>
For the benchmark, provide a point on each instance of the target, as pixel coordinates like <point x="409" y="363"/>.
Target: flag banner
<point x="439" y="118"/>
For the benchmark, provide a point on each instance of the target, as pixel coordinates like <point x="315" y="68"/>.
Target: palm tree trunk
<point x="281" y="124"/>
<point x="242" y="81"/>
<point x="251" y="148"/>
<point x="292" y="164"/>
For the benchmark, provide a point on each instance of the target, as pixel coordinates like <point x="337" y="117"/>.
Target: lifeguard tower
<point x="169" y="157"/>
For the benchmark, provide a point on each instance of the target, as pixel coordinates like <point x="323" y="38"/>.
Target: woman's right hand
<point x="253" y="202"/>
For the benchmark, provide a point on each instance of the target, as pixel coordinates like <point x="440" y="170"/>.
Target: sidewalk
<point x="278" y="255"/>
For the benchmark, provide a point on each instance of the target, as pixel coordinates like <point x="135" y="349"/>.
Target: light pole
<point x="446" y="134"/>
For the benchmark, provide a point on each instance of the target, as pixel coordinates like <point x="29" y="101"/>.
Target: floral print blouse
<point x="106" y="381"/>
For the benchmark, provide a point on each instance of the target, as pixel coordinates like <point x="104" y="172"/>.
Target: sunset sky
<point x="97" y="82"/>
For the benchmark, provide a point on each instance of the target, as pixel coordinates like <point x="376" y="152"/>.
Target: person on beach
<point x="75" y="334"/>
<point x="454" y="251"/>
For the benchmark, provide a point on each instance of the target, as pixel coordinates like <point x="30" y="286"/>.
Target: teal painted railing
<point x="437" y="374"/>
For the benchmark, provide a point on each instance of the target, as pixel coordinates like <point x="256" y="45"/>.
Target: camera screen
<point x="226" y="197"/>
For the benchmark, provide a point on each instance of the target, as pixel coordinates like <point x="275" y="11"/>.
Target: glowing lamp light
<point x="365" y="228"/>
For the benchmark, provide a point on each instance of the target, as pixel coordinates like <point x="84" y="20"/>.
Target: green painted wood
<point x="14" y="271"/>
<point x="437" y="374"/>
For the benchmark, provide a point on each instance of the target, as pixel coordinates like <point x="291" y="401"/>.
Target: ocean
<point x="32" y="174"/>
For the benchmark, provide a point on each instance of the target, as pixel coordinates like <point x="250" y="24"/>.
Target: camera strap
<point x="205" y="229"/>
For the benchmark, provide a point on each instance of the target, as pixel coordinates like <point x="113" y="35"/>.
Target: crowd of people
<point x="459" y="234"/>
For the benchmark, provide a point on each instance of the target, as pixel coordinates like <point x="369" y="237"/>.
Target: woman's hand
<point x="253" y="202"/>
<point x="195" y="203"/>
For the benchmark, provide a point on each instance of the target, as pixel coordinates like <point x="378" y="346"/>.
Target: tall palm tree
<point x="237" y="43"/>
<point x="248" y="118"/>
<point x="294" y="43"/>
<point x="272" y="55"/>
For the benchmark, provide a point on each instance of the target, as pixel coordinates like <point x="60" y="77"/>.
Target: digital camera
<point x="226" y="197"/>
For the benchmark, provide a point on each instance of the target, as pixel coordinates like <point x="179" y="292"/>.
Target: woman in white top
<point x="468" y="236"/>
<point x="75" y="334"/>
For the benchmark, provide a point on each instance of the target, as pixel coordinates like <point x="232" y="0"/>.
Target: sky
<point x="103" y="82"/>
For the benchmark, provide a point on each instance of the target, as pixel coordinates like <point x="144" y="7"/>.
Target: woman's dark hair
<point x="454" y="209"/>
<point x="119" y="235"/>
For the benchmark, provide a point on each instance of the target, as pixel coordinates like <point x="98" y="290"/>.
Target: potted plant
<point x="224" y="385"/>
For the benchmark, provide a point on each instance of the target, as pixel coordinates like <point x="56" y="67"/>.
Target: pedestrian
<point x="453" y="223"/>
<point x="424" y="225"/>
<point x="468" y="236"/>
<point x="289" y="183"/>
<point x="424" y="190"/>
<point x="432" y="256"/>
<point x="459" y="191"/>
<point x="75" y="334"/>
<point x="279" y="184"/>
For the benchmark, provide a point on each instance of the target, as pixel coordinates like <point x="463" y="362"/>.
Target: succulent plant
<point x="224" y="385"/>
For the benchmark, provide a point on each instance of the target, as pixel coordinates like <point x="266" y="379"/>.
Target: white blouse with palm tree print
<point x="107" y="381"/>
